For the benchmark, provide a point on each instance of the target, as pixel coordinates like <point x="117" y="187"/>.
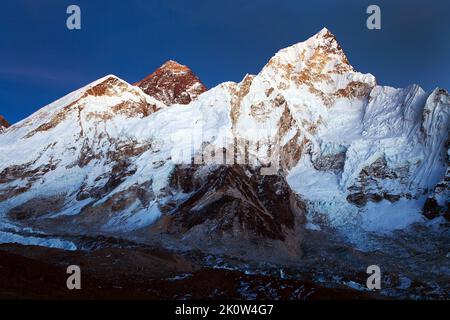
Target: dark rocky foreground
<point x="143" y="273"/>
<point x="326" y="268"/>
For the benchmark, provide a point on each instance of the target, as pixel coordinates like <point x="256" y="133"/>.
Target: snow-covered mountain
<point x="165" y="156"/>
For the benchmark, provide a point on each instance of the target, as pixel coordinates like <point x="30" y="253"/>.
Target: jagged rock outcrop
<point x="368" y="186"/>
<point x="172" y="83"/>
<point x="235" y="200"/>
<point x="232" y="208"/>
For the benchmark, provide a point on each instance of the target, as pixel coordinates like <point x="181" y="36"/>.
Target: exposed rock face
<point x="234" y="200"/>
<point x="3" y="124"/>
<point x="172" y="83"/>
<point x="330" y="162"/>
<point x="233" y="209"/>
<point x="438" y="203"/>
<point x="368" y="186"/>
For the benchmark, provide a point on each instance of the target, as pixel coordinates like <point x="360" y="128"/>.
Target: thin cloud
<point x="33" y="74"/>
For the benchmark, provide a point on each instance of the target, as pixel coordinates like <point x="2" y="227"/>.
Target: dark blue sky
<point x="41" y="60"/>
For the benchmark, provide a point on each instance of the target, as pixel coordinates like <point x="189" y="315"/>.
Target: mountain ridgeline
<point x="353" y="156"/>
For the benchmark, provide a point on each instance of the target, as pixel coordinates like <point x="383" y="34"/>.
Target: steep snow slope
<point x="76" y="145"/>
<point x="103" y="157"/>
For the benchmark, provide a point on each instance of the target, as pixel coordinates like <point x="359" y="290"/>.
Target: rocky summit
<point x="3" y="124"/>
<point x="172" y="83"/>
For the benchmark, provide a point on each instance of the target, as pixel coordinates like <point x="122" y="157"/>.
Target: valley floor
<point x="142" y="273"/>
<point x="328" y="269"/>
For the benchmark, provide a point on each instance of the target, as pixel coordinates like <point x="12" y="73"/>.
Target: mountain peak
<point x="172" y="83"/>
<point x="3" y="123"/>
<point x="325" y="36"/>
<point x="109" y="85"/>
<point x="314" y="60"/>
<point x="323" y="47"/>
<point x="174" y="66"/>
<point x="325" y="39"/>
<point x="320" y="66"/>
<point x="324" y="32"/>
